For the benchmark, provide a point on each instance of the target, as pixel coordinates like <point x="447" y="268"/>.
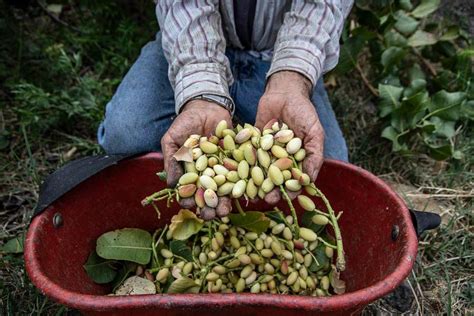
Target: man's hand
<point x="197" y="117"/>
<point x="287" y="97"/>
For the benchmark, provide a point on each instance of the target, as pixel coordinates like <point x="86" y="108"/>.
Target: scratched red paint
<point x="110" y="200"/>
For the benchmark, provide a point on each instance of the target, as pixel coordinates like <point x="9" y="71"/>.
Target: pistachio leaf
<point x="184" y="154"/>
<point x="322" y="262"/>
<point x="136" y="285"/>
<point x="185" y="224"/>
<point x="422" y="38"/>
<point x="179" y="248"/>
<point x="100" y="270"/>
<point x="254" y="221"/>
<point x="14" y="245"/>
<point x="275" y="216"/>
<point x="129" y="244"/>
<point x="183" y="285"/>
<point x="425" y="8"/>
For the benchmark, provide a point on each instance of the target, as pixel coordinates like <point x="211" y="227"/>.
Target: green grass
<point x="55" y="82"/>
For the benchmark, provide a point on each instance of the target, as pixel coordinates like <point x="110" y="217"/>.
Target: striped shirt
<point x="300" y="35"/>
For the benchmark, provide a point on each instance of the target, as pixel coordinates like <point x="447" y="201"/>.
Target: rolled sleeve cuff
<point x="301" y="57"/>
<point x="197" y="79"/>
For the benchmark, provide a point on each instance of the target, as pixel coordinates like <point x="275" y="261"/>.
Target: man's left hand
<point x="287" y="98"/>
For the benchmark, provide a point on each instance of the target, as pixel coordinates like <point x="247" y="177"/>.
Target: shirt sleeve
<point x="308" y="40"/>
<point x="194" y="45"/>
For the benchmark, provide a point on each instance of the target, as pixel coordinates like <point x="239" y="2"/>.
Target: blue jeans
<point x="142" y="109"/>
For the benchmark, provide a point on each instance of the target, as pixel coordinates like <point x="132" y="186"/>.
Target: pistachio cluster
<point x="240" y="162"/>
<point x="228" y="259"/>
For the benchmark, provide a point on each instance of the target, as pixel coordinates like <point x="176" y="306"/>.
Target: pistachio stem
<point x="293" y="211"/>
<point x="151" y="198"/>
<point x="340" y="261"/>
<point x="311" y="253"/>
<point x="239" y="207"/>
<point x="283" y="218"/>
<point x="326" y="243"/>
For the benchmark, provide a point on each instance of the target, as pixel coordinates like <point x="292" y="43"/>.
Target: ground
<point x="60" y="64"/>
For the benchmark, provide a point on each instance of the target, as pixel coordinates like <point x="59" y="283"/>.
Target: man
<point x="261" y="59"/>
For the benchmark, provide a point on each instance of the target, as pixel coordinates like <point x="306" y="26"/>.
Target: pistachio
<point x="329" y="252"/>
<point x="166" y="253"/>
<point x="251" y="190"/>
<point x="269" y="268"/>
<point x="251" y="278"/>
<point x="284" y="136"/>
<point x="276" y="247"/>
<point x="234" y="241"/>
<point x="306" y="203"/>
<point x="212" y="161"/>
<point x="292" y="278"/>
<point x="188" y="268"/>
<point x="212" y="276"/>
<point x="263" y="158"/>
<point x="308" y="234"/>
<point x="208" y="147"/>
<point x="267" y="253"/>
<point x="229" y="143"/>
<point x="283" y="163"/>
<point x="287" y="254"/>
<point x="230" y="164"/>
<point x="244" y="259"/>
<point x="267" y="131"/>
<point x="210" y="197"/>
<point x="208" y="213"/>
<point x="201" y="163"/>
<point x="256" y="259"/>
<point x="196" y="152"/>
<point x="319" y="219"/>
<point x="208" y="183"/>
<point x="276" y="126"/>
<point x="220" y="169"/>
<point x="225" y="189"/>
<point x="190" y="167"/>
<point x="284" y="265"/>
<point x="275" y="175"/>
<point x="279" y="152"/>
<point x="266" y="142"/>
<point x="238" y="189"/>
<point x="219" y="179"/>
<point x="325" y="283"/>
<point x="221" y="126"/>
<point x="162" y="275"/>
<point x="233" y="264"/>
<point x="293" y="145"/>
<point x="233" y="176"/>
<point x="191" y="142"/>
<point x="259" y="244"/>
<point x="300" y="154"/>
<point x="308" y="259"/>
<point x="296" y="173"/>
<point x="208" y="172"/>
<point x="251" y="236"/>
<point x="238" y="154"/>
<point x="240" y="285"/>
<point x="267" y="185"/>
<point x="277" y="229"/>
<point x="311" y="191"/>
<point x="229" y="132"/>
<point x="243" y="169"/>
<point x="246" y="271"/>
<point x="255" y="288"/>
<point x="257" y="175"/>
<point x="287" y="234"/>
<point x="223" y="206"/>
<point x="219" y="269"/>
<point x="214" y="139"/>
<point x="292" y="185"/>
<point x="304" y="180"/>
<point x="186" y="190"/>
<point x="188" y="178"/>
<point x="250" y="155"/>
<point x="261" y="193"/>
<point x="202" y="258"/>
<point x="270" y="124"/>
<point x="310" y="283"/>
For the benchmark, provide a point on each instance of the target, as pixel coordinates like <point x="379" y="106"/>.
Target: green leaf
<point x="183" y="285"/>
<point x="447" y="105"/>
<point x="253" y="221"/>
<point x="276" y="216"/>
<point x="425" y="8"/>
<point x="422" y="38"/>
<point x="443" y="128"/>
<point x="389" y="98"/>
<point x="100" y="270"/>
<point x="406" y="5"/>
<point x="307" y="222"/>
<point x="179" y="248"/>
<point x="415" y="73"/>
<point x="351" y="49"/>
<point x="467" y="110"/>
<point x="323" y="262"/>
<point x="451" y="33"/>
<point x="391" y="57"/>
<point x="129" y="244"/>
<point x="405" y="24"/>
<point x="393" y="38"/>
<point x="14" y="245"/>
<point x="392" y="134"/>
<point x="185" y="224"/>
<point x="440" y="152"/>
<point x="126" y="269"/>
<point x="416" y="86"/>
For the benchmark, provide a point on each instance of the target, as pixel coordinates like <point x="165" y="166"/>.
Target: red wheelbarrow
<point x="380" y="242"/>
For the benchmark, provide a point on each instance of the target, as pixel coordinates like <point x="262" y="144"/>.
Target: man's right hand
<point x="197" y="117"/>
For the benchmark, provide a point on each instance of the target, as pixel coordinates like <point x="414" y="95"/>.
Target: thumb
<point x="173" y="168"/>
<point x="314" y="146"/>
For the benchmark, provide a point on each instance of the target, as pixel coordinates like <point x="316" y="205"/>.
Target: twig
<point x="239" y="207"/>
<point x="56" y="19"/>
<point x="340" y="261"/>
<point x="425" y="62"/>
<point x="293" y="211"/>
<point x="448" y="196"/>
<point x="366" y="81"/>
